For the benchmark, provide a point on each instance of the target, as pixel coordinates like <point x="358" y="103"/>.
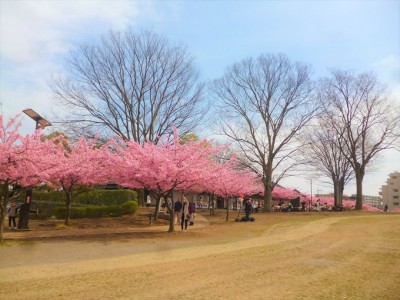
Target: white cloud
<point x="388" y="70"/>
<point x="391" y="61"/>
<point x="32" y="30"/>
<point x="36" y="35"/>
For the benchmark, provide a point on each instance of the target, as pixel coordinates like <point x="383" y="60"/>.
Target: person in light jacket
<point x="12" y="213"/>
<point x="185" y="213"/>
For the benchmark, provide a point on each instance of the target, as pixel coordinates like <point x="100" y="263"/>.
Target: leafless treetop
<point x="134" y="85"/>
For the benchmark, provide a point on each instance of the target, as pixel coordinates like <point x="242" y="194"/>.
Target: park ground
<point x="330" y="255"/>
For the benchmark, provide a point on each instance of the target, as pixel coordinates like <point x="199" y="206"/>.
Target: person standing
<point x="12" y="213"/>
<point x="192" y="210"/>
<point x="248" y="207"/>
<point x="177" y="210"/>
<point x="185" y="213"/>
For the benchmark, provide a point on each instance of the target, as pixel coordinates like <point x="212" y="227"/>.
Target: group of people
<point x="184" y="212"/>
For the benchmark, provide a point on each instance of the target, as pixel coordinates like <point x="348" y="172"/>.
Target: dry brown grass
<point x="349" y="255"/>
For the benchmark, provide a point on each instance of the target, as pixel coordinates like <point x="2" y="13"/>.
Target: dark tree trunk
<point x="359" y="197"/>
<point x="23" y="221"/>
<point x="228" y="202"/>
<point x="68" y="205"/>
<point x="268" y="187"/>
<point x="211" y="204"/>
<point x="341" y="190"/>
<point x="2" y="217"/>
<point x="157" y="209"/>
<point x="171" y="213"/>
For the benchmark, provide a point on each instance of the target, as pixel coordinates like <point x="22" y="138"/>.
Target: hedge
<point x="129" y="207"/>
<point x="96" y="197"/>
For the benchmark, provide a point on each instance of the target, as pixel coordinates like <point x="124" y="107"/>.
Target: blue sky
<point x="37" y="35"/>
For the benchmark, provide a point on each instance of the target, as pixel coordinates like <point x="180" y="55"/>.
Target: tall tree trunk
<point x="267" y="196"/>
<point x="144" y="197"/>
<point x="336" y="192"/>
<point x="359" y="197"/>
<point x="228" y="203"/>
<point x="24" y="210"/>
<point x="2" y="217"/>
<point x="68" y="206"/>
<point x="171" y="213"/>
<point x="341" y="190"/>
<point x="157" y="209"/>
<point x="3" y="206"/>
<point x="214" y="203"/>
<point x="268" y="187"/>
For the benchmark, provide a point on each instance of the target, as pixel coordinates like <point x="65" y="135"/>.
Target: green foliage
<point x="190" y="136"/>
<point x="85" y="196"/>
<point x="129" y="207"/>
<point x="107" y="197"/>
<point x="96" y="211"/>
<point x="86" y="203"/>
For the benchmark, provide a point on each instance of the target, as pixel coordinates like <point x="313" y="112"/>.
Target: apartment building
<point x="390" y="192"/>
<point x="375" y="201"/>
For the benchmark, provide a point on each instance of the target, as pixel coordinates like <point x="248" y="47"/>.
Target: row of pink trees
<point x="174" y="166"/>
<point x="163" y="168"/>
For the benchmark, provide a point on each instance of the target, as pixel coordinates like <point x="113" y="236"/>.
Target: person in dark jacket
<point x="192" y="210"/>
<point x="248" y="208"/>
<point x="177" y="210"/>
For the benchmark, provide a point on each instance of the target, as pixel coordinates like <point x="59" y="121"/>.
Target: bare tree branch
<point x="363" y="116"/>
<point x="134" y="85"/>
<point x="264" y="103"/>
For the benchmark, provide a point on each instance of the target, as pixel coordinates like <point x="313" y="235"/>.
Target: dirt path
<point x="295" y="259"/>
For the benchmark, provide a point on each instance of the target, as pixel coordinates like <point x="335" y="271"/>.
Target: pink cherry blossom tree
<point x="23" y="162"/>
<point x="80" y="163"/>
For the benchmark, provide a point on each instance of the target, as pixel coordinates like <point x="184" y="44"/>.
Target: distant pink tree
<point x="233" y="182"/>
<point x="280" y="192"/>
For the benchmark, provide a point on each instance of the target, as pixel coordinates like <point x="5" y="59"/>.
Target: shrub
<point x="129" y="207"/>
<point x="109" y="197"/>
<point x="97" y="211"/>
<point x="97" y="197"/>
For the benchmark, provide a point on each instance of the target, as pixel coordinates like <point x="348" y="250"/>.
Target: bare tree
<point x="322" y="151"/>
<point x="264" y="103"/>
<point x="363" y="116"/>
<point x="134" y="85"/>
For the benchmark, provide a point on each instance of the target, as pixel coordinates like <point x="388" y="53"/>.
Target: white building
<point x="375" y="201"/>
<point x="390" y="192"/>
